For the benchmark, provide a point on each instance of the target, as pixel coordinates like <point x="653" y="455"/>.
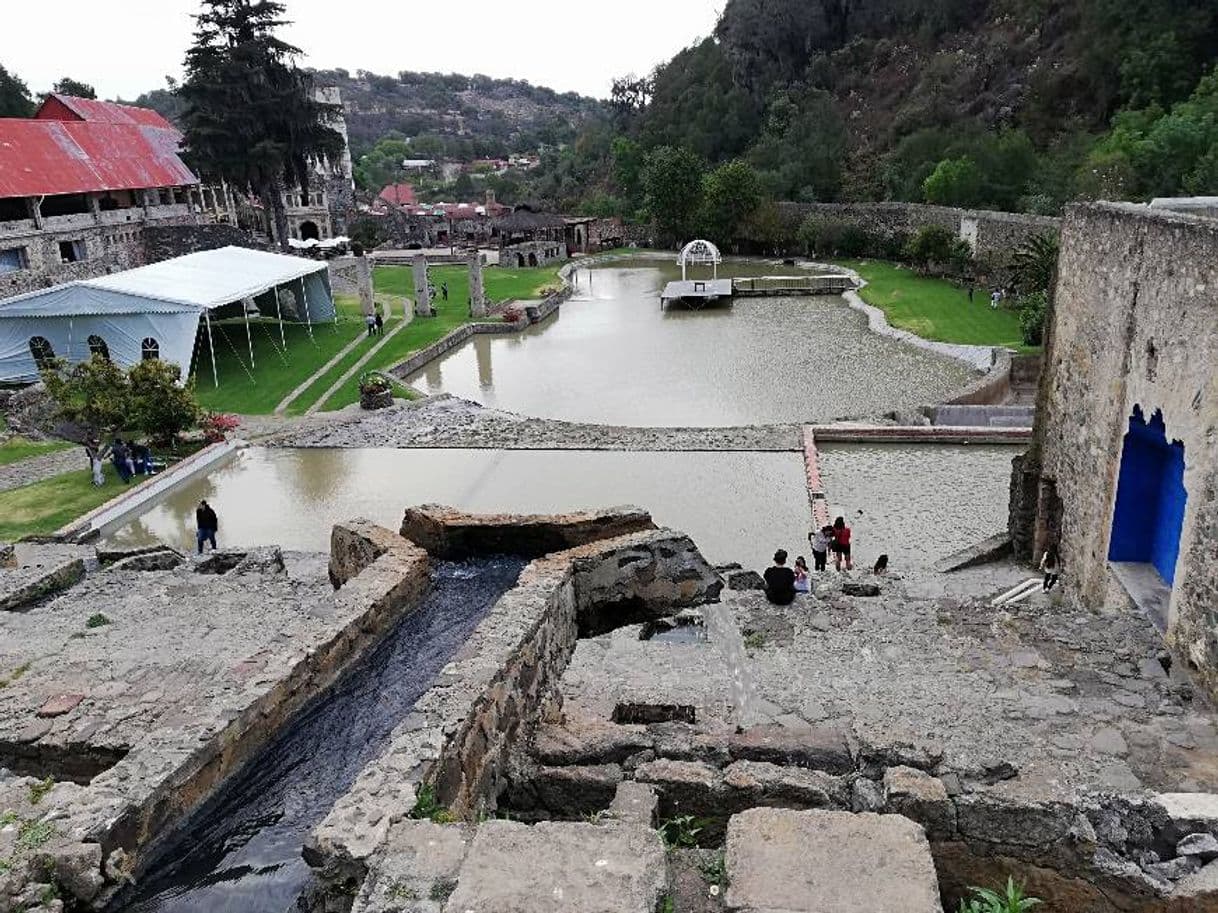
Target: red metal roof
<point x="47" y="156"/>
<point x="400" y="194"/>
<point x="92" y="110"/>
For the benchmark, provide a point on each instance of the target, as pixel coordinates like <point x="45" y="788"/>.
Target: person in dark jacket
<point x="780" y="581"/>
<point x="206" y="525"/>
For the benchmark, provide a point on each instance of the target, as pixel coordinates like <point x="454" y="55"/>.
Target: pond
<point x="612" y="356"/>
<point x="736" y="506"/>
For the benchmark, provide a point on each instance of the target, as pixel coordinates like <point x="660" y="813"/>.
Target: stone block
<point x="860" y="589"/>
<point x="109" y="554"/>
<point x="744" y="580"/>
<point x="446" y="532"/>
<point x="354" y="545"/>
<point x="163" y="559"/>
<point x="21" y="588"/>
<point x="921" y="798"/>
<point x="636" y="803"/>
<point x="59" y="705"/>
<point x="580" y="742"/>
<point x="761" y="783"/>
<point x="681" y="742"/>
<point x="781" y="861"/>
<point x="685" y="787"/>
<point x="1198" y="891"/>
<point x="574" y="791"/>
<point x="265" y="559"/>
<point x="561" y="867"/>
<point x="818" y="749"/>
<point x="995" y="818"/>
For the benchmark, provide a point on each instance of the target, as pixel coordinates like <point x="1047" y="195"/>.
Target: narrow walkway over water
<point x="241" y="850"/>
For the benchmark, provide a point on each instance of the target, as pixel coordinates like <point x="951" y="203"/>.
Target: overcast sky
<point x="124" y="47"/>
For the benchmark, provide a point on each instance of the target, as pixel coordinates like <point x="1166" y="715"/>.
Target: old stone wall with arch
<point x="1135" y="325"/>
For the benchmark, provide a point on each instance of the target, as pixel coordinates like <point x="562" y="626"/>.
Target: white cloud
<point x="124" y="47"/>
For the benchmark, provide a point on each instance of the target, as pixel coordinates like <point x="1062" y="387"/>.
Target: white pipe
<point x="1010" y="594"/>
<point x="215" y="378"/>
<point x="279" y="313"/>
<point x="1022" y="596"/>
<point x="248" y="336"/>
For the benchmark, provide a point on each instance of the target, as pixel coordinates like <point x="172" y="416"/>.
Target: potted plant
<point x="375" y="390"/>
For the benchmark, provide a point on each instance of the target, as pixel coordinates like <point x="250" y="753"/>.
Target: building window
<point x="72" y="251"/>
<point x="13" y="259"/>
<point x="98" y="347"/>
<point x="150" y="349"/>
<point x="44" y="354"/>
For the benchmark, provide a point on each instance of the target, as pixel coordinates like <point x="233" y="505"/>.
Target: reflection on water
<point x="613" y="356"/>
<point x="917" y="503"/>
<point x="737" y="506"/>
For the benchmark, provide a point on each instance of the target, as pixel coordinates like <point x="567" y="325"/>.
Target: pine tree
<point x="15" y="98"/>
<point x="250" y="115"/>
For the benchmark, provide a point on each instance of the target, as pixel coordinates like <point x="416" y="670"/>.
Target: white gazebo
<point x="156" y="311"/>
<point x="700" y="253"/>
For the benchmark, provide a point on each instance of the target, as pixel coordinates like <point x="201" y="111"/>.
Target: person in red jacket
<point x="841" y="544"/>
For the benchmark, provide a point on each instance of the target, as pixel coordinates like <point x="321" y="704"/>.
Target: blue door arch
<point x="1151" y="497"/>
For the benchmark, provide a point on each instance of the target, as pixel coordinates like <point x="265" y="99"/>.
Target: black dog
<point x="881" y="565"/>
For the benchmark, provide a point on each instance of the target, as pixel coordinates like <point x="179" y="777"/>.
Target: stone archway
<point x="532" y="259"/>
<point x="309" y="231"/>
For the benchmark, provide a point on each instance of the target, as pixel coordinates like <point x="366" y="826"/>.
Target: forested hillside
<point x="1010" y="104"/>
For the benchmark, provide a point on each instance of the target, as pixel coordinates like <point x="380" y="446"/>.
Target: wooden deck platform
<point x="696" y="292"/>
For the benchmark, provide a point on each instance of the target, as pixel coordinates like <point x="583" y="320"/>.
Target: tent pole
<point x="279" y="312"/>
<point x="215" y="379"/>
<point x="304" y="294"/>
<point x="249" y="338"/>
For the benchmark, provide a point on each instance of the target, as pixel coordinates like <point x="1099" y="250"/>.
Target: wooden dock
<point x="701" y="292"/>
<point x="696" y="292"/>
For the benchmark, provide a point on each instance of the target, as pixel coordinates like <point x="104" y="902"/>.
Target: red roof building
<point x="68" y="107"/>
<point x="398" y="194"/>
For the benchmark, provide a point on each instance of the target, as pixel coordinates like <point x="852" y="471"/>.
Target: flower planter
<point x="376" y="399"/>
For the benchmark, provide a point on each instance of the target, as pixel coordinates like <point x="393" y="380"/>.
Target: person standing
<point x="780" y="581"/>
<point x="820" y="540"/>
<point x="380" y="324"/>
<point x="1051" y="567"/>
<point x="970" y="293"/>
<point x="119" y="457"/>
<point x="444" y="290"/>
<point x="370" y="322"/>
<point x="841" y="544"/>
<point x="206" y="526"/>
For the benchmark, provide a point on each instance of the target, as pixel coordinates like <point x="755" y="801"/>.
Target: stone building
<point x="530" y="238"/>
<point x="79" y="182"/>
<point x="1123" y="471"/>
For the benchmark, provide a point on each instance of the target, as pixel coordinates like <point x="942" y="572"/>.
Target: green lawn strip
<point x="936" y="308"/>
<point x="19" y="448"/>
<point x="501" y="285"/>
<point x="43" y="507"/>
<point x="273" y="379"/>
<point x="322" y="383"/>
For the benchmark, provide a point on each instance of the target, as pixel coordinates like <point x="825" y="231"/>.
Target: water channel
<point x="240" y="852"/>
<point x="612" y="356"/>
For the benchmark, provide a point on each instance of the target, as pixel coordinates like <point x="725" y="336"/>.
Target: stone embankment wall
<point x="458" y="742"/>
<point x="994" y="236"/>
<point x="1135" y="324"/>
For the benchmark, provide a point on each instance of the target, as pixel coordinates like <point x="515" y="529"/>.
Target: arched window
<point x="98" y="347"/>
<point x="150" y="349"/>
<point x="40" y="348"/>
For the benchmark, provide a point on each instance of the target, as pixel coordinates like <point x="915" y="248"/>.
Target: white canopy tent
<point x="156" y="310"/>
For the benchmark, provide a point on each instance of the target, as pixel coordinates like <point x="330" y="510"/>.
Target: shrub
<point x="937" y="248"/>
<point x="217" y="425"/>
<point x="161" y="406"/>
<point x="1012" y="900"/>
<point x="1033" y="309"/>
<point x="371" y="382"/>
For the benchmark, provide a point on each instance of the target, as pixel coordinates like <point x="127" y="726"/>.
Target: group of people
<point x="131" y="459"/>
<point x="782" y="582"/>
<point x="375" y="323"/>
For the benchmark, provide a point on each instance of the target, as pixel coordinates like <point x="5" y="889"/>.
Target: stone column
<point x="422" y="295"/>
<point x="363" y="279"/>
<point x="477" y="293"/>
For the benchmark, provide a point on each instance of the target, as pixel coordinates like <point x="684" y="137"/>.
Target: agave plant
<point x="1034" y="262"/>
<point x="1012" y="900"/>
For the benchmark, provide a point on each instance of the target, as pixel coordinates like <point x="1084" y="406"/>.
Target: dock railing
<point x="829" y="284"/>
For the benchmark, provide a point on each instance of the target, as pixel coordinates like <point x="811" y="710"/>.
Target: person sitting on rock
<point x="780" y="581"/>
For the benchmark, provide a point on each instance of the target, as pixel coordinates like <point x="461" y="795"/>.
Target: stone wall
<point x="163" y="242"/>
<point x="532" y="253"/>
<point x="1135" y="323"/>
<point x="992" y="235"/>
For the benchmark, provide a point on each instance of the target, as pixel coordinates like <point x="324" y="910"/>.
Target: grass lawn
<point x="19" y="448"/>
<point x="45" y="506"/>
<point x="274" y="377"/>
<point x="936" y="308"/>
<point x="396" y="281"/>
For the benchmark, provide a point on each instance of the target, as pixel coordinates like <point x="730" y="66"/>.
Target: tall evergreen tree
<point x="15" y="98"/>
<point x="250" y="114"/>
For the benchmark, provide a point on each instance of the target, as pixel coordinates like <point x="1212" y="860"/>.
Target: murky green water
<point x="737" y="506"/>
<point x="612" y="356"/>
<point x="917" y="503"/>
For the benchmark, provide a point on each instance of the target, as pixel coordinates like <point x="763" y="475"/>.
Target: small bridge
<point x="785" y="286"/>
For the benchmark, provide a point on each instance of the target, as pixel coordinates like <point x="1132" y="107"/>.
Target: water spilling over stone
<point x="242" y="849"/>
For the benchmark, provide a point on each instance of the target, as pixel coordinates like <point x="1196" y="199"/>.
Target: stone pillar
<point x="477" y="292"/>
<point x="363" y="279"/>
<point x="422" y="295"/>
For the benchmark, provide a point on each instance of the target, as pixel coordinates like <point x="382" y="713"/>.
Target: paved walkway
<point x="291" y="397"/>
<point x="364" y="359"/>
<point x="35" y="469"/>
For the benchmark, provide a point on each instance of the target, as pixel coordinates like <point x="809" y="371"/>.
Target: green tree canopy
<point x="731" y="194"/>
<point x="15" y="98"/>
<point x="250" y="115"/>
<point x="74" y="87"/>
<point x="954" y="182"/>
<point x="672" y="185"/>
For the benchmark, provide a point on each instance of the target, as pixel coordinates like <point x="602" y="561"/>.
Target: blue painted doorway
<point x="1151" y="497"/>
